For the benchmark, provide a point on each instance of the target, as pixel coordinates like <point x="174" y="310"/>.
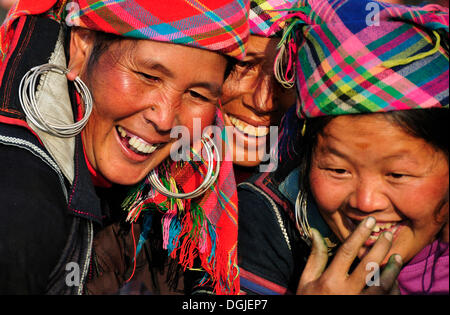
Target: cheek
<point x="117" y="93"/>
<point x="328" y="196"/>
<point x="197" y="118"/>
<point x="420" y="203"/>
<point x="231" y="89"/>
<point x="237" y="86"/>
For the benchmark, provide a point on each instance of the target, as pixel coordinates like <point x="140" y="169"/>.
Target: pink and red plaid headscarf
<point x="207" y="227"/>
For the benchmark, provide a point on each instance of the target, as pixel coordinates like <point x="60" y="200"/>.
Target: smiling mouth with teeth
<point x="250" y="130"/>
<point x="380" y="228"/>
<point x="384" y="227"/>
<point x="136" y="144"/>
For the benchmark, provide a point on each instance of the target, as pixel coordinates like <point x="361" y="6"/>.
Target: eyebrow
<point x="215" y="89"/>
<point x="334" y="151"/>
<point x="255" y="54"/>
<point x="400" y="156"/>
<point x="150" y="64"/>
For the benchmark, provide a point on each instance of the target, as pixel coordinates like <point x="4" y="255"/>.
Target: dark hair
<point x="103" y="41"/>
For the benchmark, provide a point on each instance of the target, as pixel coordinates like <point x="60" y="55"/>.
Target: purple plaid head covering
<point x="362" y="56"/>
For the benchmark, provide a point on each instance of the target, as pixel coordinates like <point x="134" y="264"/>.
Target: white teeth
<point x="123" y="133"/>
<point x="244" y="127"/>
<point x="140" y="146"/>
<point x="137" y="144"/>
<point x="385" y="226"/>
<point x="381" y="227"/>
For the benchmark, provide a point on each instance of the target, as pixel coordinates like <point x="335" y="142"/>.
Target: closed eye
<point x="339" y="171"/>
<point x="397" y="175"/>
<point x="246" y="65"/>
<point x="199" y="96"/>
<point x="148" y="77"/>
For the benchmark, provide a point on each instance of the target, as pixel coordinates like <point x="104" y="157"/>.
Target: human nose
<point x="162" y="111"/>
<point x="260" y="99"/>
<point x="368" y="196"/>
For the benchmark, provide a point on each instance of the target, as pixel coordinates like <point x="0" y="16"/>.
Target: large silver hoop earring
<point x="303" y="226"/>
<point x="27" y="98"/>
<point x="301" y="217"/>
<point x="210" y="177"/>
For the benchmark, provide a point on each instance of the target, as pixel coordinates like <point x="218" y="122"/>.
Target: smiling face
<point x="141" y="90"/>
<point x="252" y="100"/>
<point x="366" y="166"/>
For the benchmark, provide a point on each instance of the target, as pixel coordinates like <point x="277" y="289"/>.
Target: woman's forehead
<point x="371" y="134"/>
<point x="174" y="61"/>
<point x="262" y="46"/>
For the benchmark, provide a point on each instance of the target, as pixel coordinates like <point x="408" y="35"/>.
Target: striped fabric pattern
<point x="348" y="64"/>
<point x="251" y="283"/>
<point x="216" y="25"/>
<point x="204" y="228"/>
<point x="264" y="16"/>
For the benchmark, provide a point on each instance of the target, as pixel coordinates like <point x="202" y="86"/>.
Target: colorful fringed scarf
<point x="217" y="25"/>
<point x="361" y="56"/>
<point x="265" y="14"/>
<point x="205" y="227"/>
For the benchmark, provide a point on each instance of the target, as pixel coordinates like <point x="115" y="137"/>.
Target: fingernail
<point x="370" y="222"/>
<point x="398" y="259"/>
<point x="388" y="236"/>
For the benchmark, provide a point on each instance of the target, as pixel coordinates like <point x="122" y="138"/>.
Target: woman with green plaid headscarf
<point x="364" y="178"/>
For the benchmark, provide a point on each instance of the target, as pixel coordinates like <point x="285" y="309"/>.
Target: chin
<point x="247" y="163"/>
<point x="126" y="177"/>
<point x="245" y="158"/>
<point x="126" y="180"/>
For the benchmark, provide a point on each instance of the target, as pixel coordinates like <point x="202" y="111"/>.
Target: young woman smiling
<point x="253" y="100"/>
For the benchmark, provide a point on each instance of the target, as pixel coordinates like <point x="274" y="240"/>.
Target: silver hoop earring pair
<point x="303" y="226"/>
<point x="211" y="175"/>
<point x="301" y="217"/>
<point x="27" y="98"/>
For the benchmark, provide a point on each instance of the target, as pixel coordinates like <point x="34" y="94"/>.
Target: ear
<point x="81" y="43"/>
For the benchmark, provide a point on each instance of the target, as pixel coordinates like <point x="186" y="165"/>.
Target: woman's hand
<point x="335" y="279"/>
